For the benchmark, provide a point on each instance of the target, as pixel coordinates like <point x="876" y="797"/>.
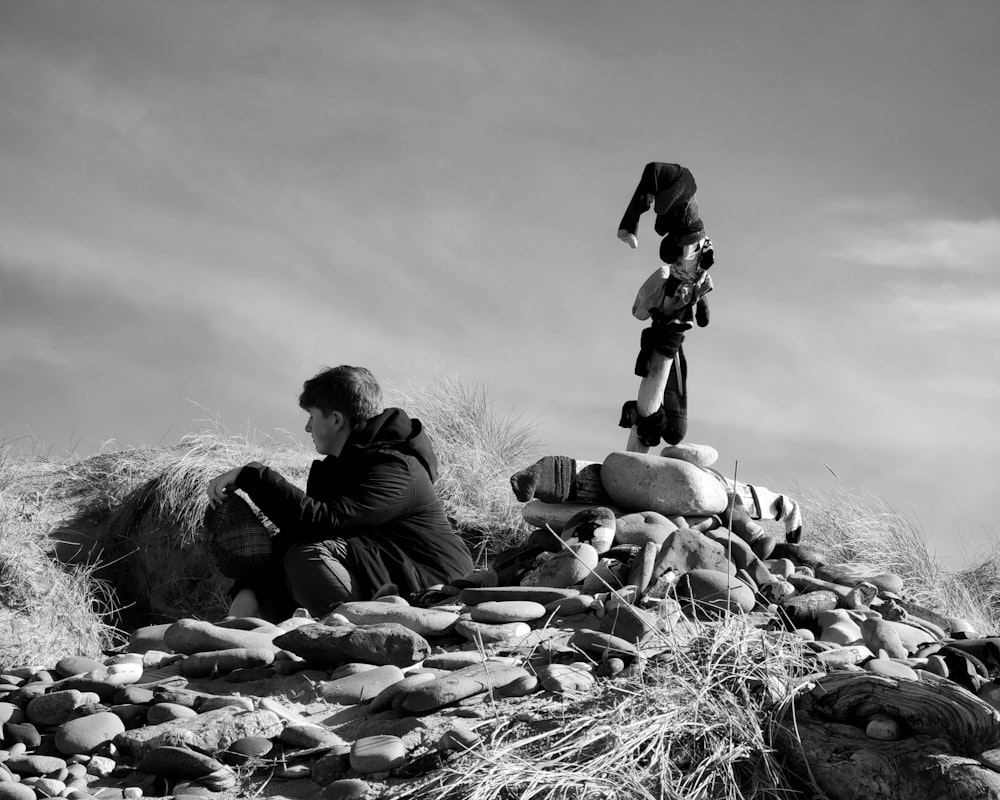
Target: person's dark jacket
<point x="378" y="496"/>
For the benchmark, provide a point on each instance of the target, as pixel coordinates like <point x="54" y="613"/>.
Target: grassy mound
<point x="855" y="526"/>
<point x="127" y="523"/>
<point x="46" y="610"/>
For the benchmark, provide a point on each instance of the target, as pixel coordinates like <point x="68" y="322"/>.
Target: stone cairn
<point x="902" y="702"/>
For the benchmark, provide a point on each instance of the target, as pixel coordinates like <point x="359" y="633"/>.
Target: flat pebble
<point x="507" y="611"/>
<point x="361" y="687"/>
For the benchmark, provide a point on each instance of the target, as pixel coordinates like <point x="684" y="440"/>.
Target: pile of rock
<point x="915" y="692"/>
<point x="625" y="557"/>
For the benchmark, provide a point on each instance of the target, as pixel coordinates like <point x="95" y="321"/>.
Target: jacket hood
<point x="393" y="429"/>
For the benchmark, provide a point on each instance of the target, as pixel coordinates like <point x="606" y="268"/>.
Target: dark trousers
<point x="313" y="576"/>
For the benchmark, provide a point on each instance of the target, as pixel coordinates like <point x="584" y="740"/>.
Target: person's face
<point x="329" y="432"/>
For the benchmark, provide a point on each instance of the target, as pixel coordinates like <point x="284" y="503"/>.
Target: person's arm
<point x="382" y="494"/>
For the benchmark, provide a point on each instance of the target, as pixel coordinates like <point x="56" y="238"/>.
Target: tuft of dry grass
<point x="693" y="726"/>
<point x="478" y="449"/>
<point x="46" y="611"/>
<point x="856" y="526"/>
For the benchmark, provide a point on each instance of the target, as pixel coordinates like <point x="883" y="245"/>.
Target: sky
<point x="204" y="202"/>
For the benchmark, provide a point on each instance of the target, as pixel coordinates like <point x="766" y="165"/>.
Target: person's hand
<point x="222" y="486"/>
<point x="629" y="238"/>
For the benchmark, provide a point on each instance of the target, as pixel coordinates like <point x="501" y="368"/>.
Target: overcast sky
<point x="205" y="201"/>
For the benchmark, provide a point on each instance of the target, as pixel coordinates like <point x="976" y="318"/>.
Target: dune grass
<point x="478" y="448"/>
<point x="142" y="508"/>
<point x="46" y="611"/>
<point x="856" y="526"/>
<point x="692" y="725"/>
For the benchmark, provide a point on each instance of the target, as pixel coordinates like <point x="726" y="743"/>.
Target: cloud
<point x="893" y="232"/>
<point x="936" y="310"/>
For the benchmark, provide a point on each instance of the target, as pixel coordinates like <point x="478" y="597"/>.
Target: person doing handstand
<point x="369" y="516"/>
<point x="673" y="298"/>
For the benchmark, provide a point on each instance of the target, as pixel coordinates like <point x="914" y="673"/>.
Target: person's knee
<point x="317" y="580"/>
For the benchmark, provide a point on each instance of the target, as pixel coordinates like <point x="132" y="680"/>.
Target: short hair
<point x="353" y="391"/>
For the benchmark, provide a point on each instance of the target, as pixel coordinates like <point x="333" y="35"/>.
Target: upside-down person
<point x="673" y="297"/>
<point x="369" y="516"/>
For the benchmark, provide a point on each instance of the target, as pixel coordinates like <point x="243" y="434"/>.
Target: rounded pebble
<point x="346" y="789"/>
<point x="458" y="739"/>
<point x="16" y="791"/>
<point x="86" y="734"/>
<point x="377" y="754"/>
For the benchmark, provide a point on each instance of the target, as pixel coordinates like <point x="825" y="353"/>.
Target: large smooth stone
<point x="76" y="665"/>
<point x="634" y="625"/>
<point x="607" y="575"/>
<point x="361" y="687"/>
<point x="460" y="684"/>
<point x="639" y="527"/>
<point x="16" y="791"/>
<point x="330" y="645"/>
<point x="53" y="708"/>
<point x="838" y="627"/>
<point x="803" y="610"/>
<point x="85" y="734"/>
<point x="537" y="594"/>
<point x="10" y="713"/>
<point x="879" y="634"/>
<point x="853" y="573"/>
<point x="425" y="621"/>
<point x="32" y="765"/>
<point x="564" y="569"/>
<point x="641" y="482"/>
<point x="686" y="549"/>
<point x="499" y="611"/>
<point x="701" y="455"/>
<point x="742" y="555"/>
<point x="602" y="645"/>
<point x="182" y="762"/>
<point x="891" y="669"/>
<point x="377" y="754"/>
<point x="566" y="678"/>
<point x="710" y="592"/>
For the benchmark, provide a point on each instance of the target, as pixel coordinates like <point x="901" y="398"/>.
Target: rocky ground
<point x="407" y="697"/>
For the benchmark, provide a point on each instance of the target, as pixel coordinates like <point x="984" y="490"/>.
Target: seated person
<point x="369" y="516"/>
